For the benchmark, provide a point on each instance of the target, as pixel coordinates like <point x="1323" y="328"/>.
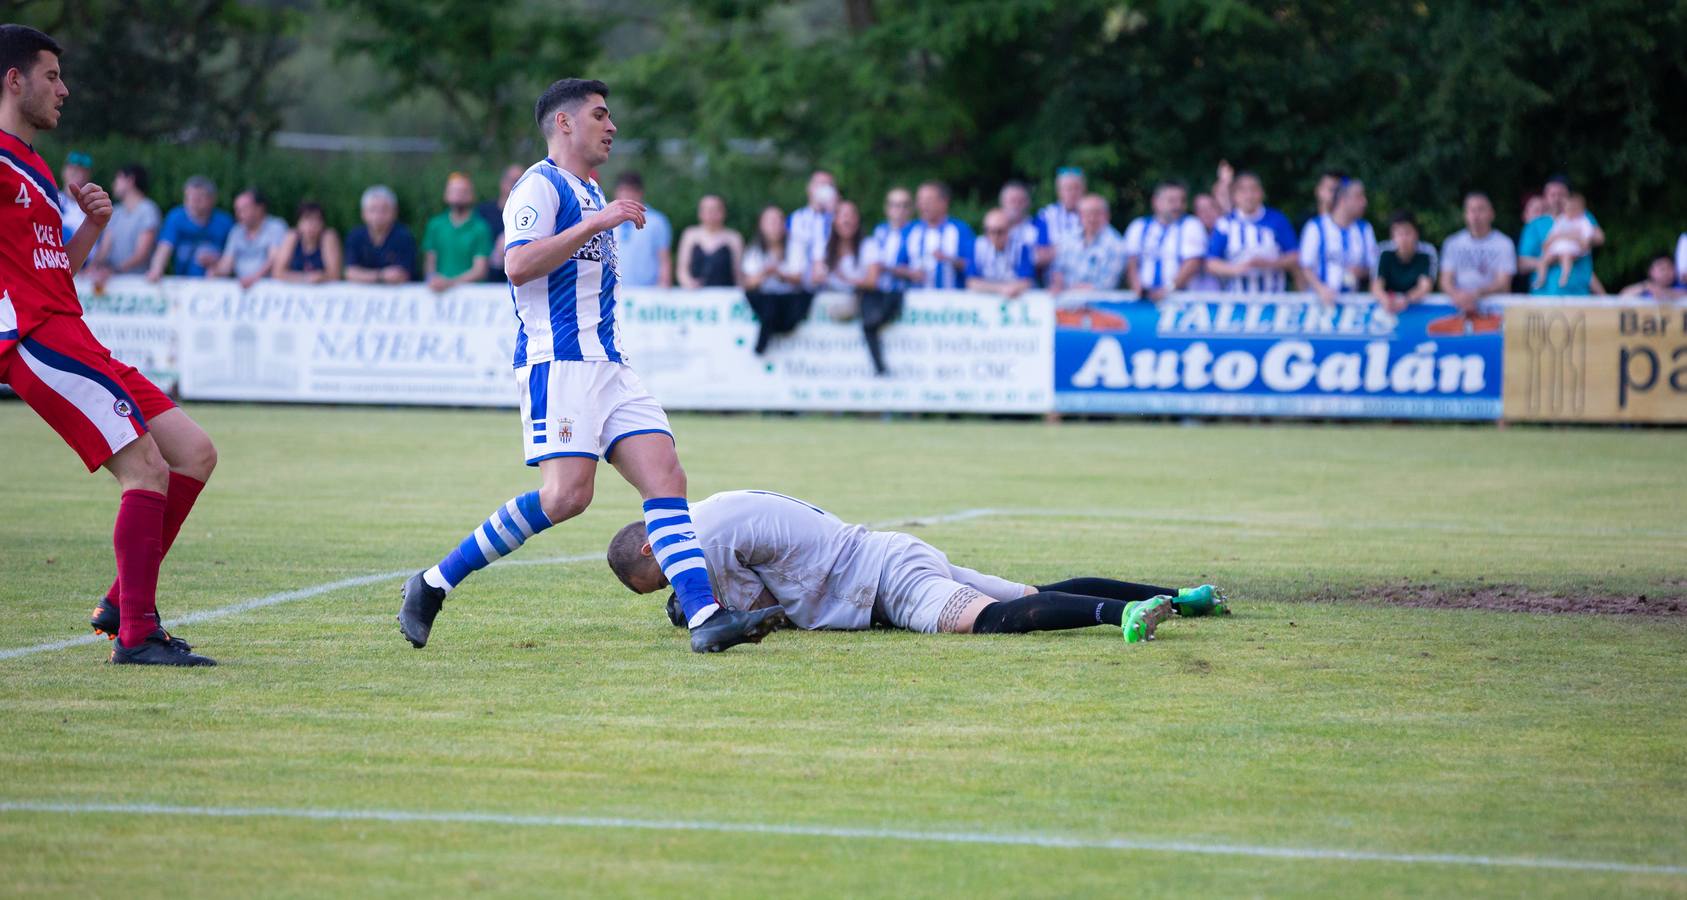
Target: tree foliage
<point x="170" y="69"/>
<point x="1424" y="99"/>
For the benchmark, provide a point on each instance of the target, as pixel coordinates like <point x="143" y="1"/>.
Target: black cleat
<point x="421" y="605"/>
<point x="159" y="649"/>
<point x="729" y="628"/>
<point x="105" y="620"/>
<point x="675" y="614"/>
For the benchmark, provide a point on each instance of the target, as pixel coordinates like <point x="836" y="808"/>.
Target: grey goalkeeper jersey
<point x="823" y="570"/>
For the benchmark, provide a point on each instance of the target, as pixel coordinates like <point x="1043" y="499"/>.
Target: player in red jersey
<point x="110" y="414"/>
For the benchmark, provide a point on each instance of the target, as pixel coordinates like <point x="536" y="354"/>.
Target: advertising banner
<point x="1278" y="356"/>
<point x="949" y="352"/>
<point x="132" y="318"/>
<point x="1596" y="363"/>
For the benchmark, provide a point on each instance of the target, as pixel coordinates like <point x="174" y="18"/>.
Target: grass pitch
<point x="548" y="690"/>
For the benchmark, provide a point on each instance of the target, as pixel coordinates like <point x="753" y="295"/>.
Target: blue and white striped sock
<point x="667" y="522"/>
<point x="500" y="535"/>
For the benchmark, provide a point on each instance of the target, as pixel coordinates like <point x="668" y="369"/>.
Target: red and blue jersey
<point x="35" y="276"/>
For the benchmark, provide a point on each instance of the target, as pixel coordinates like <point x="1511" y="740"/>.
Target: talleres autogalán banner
<point x="1275" y="357"/>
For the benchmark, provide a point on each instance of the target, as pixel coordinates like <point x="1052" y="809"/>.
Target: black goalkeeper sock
<point x="1110" y="589"/>
<point x="1047" y="611"/>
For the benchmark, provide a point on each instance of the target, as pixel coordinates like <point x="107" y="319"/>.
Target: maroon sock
<point x="139" y="542"/>
<point x="177" y="504"/>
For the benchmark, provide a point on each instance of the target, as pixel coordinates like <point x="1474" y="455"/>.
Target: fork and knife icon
<point x="1556" y="344"/>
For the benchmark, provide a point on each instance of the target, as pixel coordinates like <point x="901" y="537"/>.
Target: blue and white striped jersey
<point x="1059" y="223"/>
<point x="884" y="247"/>
<point x="1265" y="234"/>
<point x="922" y="242"/>
<point x="1158" y="250"/>
<point x="570" y="314"/>
<point x="1328" y="250"/>
<point x="806" y="232"/>
<point x="1011" y="263"/>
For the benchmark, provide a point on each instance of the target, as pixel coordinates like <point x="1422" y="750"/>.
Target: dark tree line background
<point x="1423" y="100"/>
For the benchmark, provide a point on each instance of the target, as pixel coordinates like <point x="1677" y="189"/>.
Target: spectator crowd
<point x="1226" y="238"/>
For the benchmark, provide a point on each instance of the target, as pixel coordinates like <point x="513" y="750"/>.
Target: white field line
<point x="1065" y="842"/>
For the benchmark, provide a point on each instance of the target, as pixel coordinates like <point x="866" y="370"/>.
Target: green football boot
<point x="1143" y="616"/>
<point x="1205" y="600"/>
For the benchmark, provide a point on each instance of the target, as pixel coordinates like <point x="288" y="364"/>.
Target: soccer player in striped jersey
<point x="937" y="247"/>
<point x="1338" y="249"/>
<point x="1253" y="248"/>
<point x="110" y="414"/>
<point x="1165" y="248"/>
<point x="767" y="550"/>
<point x="580" y="402"/>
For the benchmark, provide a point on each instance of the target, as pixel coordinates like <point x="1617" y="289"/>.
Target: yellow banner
<point x="1596" y="363"/>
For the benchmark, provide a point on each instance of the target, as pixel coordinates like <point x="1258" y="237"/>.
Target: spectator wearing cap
<point x="1660" y="284"/>
<point x="383" y="251"/>
<point x="999" y="265"/>
<point x="1531" y="248"/>
<point x="1094" y="258"/>
<point x="936" y="248"/>
<point x="1061" y="220"/>
<point x="191" y="240"/>
<point x="809" y="228"/>
<point x="312" y="253"/>
<point x="492" y="213"/>
<point x="78" y="168"/>
<point x="644" y="257"/>
<point x="126" y="246"/>
<point x="1252" y="249"/>
<point x="1165" y="248"/>
<point x="1405" y="271"/>
<point x="250" y="250"/>
<point x="1477" y="261"/>
<point x="456" y="243"/>
<point x="1338" y="249"/>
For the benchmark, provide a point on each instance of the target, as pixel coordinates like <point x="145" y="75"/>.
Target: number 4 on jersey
<point x="23" y="195"/>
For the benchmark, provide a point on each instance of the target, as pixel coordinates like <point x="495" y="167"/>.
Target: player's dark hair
<point x="1404" y="217"/>
<point x="630" y="179"/>
<point x="1559" y="179"/>
<point x="1474" y="194"/>
<point x="565" y="92"/>
<point x="624" y="552"/>
<point x="1337" y="174"/>
<point x="20" y="45"/>
<point x="136" y="173"/>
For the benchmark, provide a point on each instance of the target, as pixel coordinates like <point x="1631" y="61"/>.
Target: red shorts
<point x="96" y="403"/>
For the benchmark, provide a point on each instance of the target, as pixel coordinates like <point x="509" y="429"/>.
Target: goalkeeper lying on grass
<point x="765" y="549"/>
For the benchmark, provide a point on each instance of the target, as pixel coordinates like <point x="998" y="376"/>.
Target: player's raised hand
<point x="95" y="202"/>
<point x="619" y="211"/>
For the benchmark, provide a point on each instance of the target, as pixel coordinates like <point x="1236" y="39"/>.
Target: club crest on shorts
<point x="565" y="431"/>
<point x="122" y="408"/>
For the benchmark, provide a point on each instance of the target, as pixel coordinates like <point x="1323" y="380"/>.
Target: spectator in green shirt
<point x="457" y="242"/>
<point x="1405" y="271"/>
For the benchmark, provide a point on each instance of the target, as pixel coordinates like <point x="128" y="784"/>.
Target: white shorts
<point x="922" y="591"/>
<point x="572" y="408"/>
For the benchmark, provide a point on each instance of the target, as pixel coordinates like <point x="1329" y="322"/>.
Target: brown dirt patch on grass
<point x="1514" y="598"/>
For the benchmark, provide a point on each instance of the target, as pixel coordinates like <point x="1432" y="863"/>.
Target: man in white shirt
<point x="1094" y="258"/>
<point x="1165" y="249"/>
<point x="1338" y="249"/>
<point x="1477" y="261"/>
<point x="766" y="549"/>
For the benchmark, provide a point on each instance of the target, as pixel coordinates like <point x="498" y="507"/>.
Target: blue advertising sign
<point x="1282" y="356"/>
